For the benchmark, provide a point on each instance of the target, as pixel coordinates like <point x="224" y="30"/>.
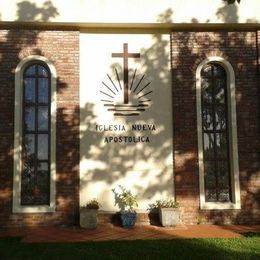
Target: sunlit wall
<point x="125" y="143"/>
<point x="134" y="11"/>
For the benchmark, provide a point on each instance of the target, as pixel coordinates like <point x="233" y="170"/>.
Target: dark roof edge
<point x="167" y="27"/>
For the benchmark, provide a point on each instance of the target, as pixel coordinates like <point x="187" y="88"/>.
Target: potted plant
<point x="169" y="213"/>
<point x="88" y="214"/>
<point x="126" y="202"/>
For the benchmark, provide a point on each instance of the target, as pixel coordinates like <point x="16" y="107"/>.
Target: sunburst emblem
<point x="131" y="99"/>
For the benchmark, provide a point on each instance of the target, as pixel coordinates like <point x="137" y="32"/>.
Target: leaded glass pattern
<point x="215" y="133"/>
<point x="35" y="185"/>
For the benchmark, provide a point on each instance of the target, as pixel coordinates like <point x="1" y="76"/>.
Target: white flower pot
<point x="169" y="217"/>
<point x="88" y="218"/>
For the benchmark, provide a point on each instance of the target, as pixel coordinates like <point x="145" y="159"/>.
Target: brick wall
<point x="62" y="49"/>
<point x="189" y="49"/>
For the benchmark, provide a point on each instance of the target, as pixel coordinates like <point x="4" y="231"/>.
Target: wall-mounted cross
<point x="125" y="55"/>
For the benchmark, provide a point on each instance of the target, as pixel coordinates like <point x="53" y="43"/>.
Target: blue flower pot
<point x="128" y="219"/>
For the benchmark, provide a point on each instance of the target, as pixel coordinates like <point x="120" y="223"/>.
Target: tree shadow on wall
<point x="225" y="44"/>
<point x="228" y="13"/>
<point x="15" y="45"/>
<point x="189" y="50"/>
<point x="116" y="163"/>
<point x="28" y="11"/>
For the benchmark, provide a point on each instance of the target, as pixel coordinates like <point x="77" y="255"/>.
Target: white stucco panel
<point x="127" y="143"/>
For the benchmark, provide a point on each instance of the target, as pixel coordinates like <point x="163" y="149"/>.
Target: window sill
<point x="220" y="205"/>
<point x="33" y="209"/>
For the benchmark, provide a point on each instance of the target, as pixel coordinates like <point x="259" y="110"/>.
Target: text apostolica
<point x="119" y="133"/>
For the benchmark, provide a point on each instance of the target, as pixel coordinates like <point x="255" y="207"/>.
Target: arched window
<point x="34" y="136"/>
<point x="215" y="133"/>
<point x="217" y="138"/>
<point x="35" y="181"/>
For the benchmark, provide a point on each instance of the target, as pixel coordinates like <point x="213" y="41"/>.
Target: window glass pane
<point x="211" y="195"/>
<point x="220" y="90"/>
<point x="29" y="85"/>
<point x="42" y="72"/>
<point x="29" y="146"/>
<point x="43" y="91"/>
<point x="29" y="118"/>
<point x="218" y="71"/>
<point x="208" y="145"/>
<point x="206" y="71"/>
<point x="220" y="115"/>
<point x="43" y="118"/>
<point x="221" y="145"/>
<point x="31" y="71"/>
<point x="28" y="166"/>
<point x="42" y="166"/>
<point x="28" y="178"/>
<point x="223" y="174"/>
<point x="210" y="177"/>
<point x="27" y="192"/>
<point x="42" y="147"/>
<point x="224" y="195"/>
<point x="43" y="184"/>
<point x="207" y="118"/>
<point x="206" y="91"/>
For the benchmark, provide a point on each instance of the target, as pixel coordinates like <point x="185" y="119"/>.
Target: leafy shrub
<point x="163" y="203"/>
<point x="125" y="199"/>
<point x="93" y="204"/>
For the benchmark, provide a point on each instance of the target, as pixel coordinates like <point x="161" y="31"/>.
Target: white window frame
<point x="19" y="71"/>
<point x="232" y="126"/>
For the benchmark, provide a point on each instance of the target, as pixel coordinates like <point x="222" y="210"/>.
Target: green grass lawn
<point x="239" y="248"/>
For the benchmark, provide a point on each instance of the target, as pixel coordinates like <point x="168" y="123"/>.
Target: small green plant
<point x="93" y="204"/>
<point x="163" y="203"/>
<point x="125" y="199"/>
<point x="200" y="220"/>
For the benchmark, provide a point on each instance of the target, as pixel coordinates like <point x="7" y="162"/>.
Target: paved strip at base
<point x="110" y="232"/>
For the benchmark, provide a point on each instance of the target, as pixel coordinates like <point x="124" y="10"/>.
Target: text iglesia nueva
<point x="119" y="133"/>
